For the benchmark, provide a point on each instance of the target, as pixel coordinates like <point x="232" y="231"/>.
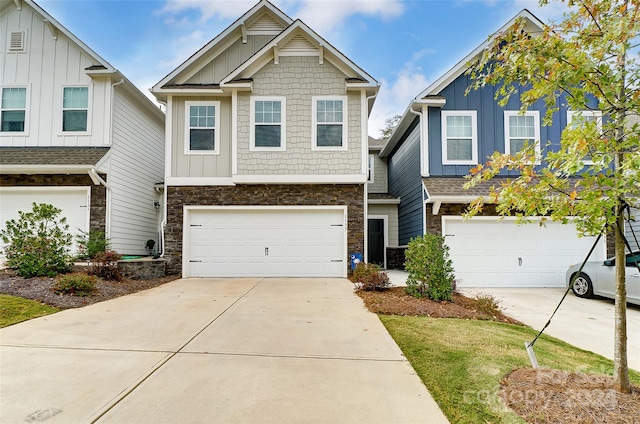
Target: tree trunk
<point x="620" y="367"/>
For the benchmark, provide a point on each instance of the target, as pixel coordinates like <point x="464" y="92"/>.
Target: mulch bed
<point x="40" y="289"/>
<point x="396" y="301"/>
<point x="554" y="396"/>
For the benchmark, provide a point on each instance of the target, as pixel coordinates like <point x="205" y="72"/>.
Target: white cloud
<point x="322" y="15"/>
<point x="328" y="15"/>
<point x="394" y="97"/>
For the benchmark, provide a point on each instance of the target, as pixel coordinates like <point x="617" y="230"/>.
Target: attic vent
<point x="17" y="42"/>
<point x="298" y="45"/>
<point x="265" y="24"/>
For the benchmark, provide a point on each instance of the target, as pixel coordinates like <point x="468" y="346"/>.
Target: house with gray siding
<point x="382" y="212"/>
<point x="266" y="153"/>
<point x="442" y="135"/>
<point x="75" y="133"/>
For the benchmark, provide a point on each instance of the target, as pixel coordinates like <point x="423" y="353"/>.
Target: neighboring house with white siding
<point x="267" y="156"/>
<point x="75" y="133"/>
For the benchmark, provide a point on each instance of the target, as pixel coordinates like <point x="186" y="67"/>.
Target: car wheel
<point x="582" y="286"/>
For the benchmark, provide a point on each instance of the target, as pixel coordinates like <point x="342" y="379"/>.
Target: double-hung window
<point x="329" y="122"/>
<point x="372" y="160"/>
<point x="75" y="109"/>
<point x="202" y="128"/>
<point x="13" y="109"/>
<point x="268" y="123"/>
<point x="459" y="137"/>
<point x="521" y="129"/>
<point x="584" y="118"/>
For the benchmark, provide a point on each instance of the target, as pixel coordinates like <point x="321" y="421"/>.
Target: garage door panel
<point x="511" y="255"/>
<point x="74" y="203"/>
<point x="265" y="242"/>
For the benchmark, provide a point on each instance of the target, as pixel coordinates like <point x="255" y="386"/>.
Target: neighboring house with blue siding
<point x="443" y="134"/>
<point x="75" y="133"/>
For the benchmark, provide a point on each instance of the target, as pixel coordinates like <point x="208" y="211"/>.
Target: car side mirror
<point x="610" y="262"/>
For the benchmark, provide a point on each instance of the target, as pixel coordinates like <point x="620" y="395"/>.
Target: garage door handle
<point x="266" y="251"/>
<point x="337" y="260"/>
<point x="196" y="261"/>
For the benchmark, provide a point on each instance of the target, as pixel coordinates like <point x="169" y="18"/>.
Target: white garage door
<point x="74" y="203"/>
<point x="491" y="253"/>
<point x="297" y="242"/>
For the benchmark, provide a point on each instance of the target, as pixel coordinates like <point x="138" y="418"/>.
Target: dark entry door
<point x="376" y="241"/>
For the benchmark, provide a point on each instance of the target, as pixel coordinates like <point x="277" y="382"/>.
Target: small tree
<point x="389" y="125"/>
<point x="38" y="242"/>
<point x="92" y="243"/>
<point x="592" y="54"/>
<point x="429" y="267"/>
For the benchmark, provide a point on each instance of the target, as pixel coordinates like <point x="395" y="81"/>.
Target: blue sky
<point x="404" y="44"/>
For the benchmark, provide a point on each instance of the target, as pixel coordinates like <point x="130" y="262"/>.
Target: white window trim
<point x="596" y="113"/>
<point x="536" y="122"/>
<point x="89" y="110"/>
<point x="371" y="170"/>
<point x="474" y="136"/>
<point x="26" y="112"/>
<point x="283" y="124"/>
<point x="187" y="127"/>
<point x="314" y="124"/>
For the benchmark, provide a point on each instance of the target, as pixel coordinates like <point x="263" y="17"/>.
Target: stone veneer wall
<point x="98" y="212"/>
<point x="351" y="195"/>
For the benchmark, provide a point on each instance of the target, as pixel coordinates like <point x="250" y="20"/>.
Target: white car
<point x="598" y="278"/>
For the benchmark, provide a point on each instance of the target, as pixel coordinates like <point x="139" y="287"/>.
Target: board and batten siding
<point x="136" y="164"/>
<point x="298" y="79"/>
<point x="228" y="60"/>
<point x="490" y="119"/>
<point x="45" y="68"/>
<point x="391" y="212"/>
<point x="197" y="165"/>
<point x="405" y="182"/>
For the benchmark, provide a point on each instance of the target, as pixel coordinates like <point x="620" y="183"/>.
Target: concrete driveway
<point x="212" y="350"/>
<point x="585" y="323"/>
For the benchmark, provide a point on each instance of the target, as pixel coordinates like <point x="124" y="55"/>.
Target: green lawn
<point x="16" y="309"/>
<point x="462" y="362"/>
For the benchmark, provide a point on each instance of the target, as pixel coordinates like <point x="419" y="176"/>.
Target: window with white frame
<point x="75" y="109"/>
<point x="372" y="159"/>
<point x="268" y="123"/>
<point x="13" y="109"/>
<point x="459" y="137"/>
<point x="580" y="118"/>
<point x="202" y="127"/>
<point x="329" y="121"/>
<point x="521" y="129"/>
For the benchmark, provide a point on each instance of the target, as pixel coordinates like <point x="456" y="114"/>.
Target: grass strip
<point x="462" y="362"/>
<point x="17" y="309"/>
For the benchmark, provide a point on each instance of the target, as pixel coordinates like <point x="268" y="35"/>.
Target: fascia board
<point x="70" y="36"/>
<point x="331" y="54"/>
<point x="235" y="26"/>
<point x="460" y="67"/>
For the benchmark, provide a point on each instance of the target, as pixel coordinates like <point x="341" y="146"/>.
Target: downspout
<point x="163" y="222"/>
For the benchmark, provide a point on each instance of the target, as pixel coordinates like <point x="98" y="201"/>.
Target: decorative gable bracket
<point x="52" y="29"/>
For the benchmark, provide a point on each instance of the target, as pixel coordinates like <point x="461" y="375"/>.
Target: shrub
<point x="76" y="284"/>
<point x="430" y="269"/>
<point x="369" y="277"/>
<point x="487" y="304"/>
<point x="92" y="243"/>
<point x="105" y="266"/>
<point x="38" y="242"/>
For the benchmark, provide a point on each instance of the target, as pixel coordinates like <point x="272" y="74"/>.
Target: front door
<point x="376" y="241"/>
